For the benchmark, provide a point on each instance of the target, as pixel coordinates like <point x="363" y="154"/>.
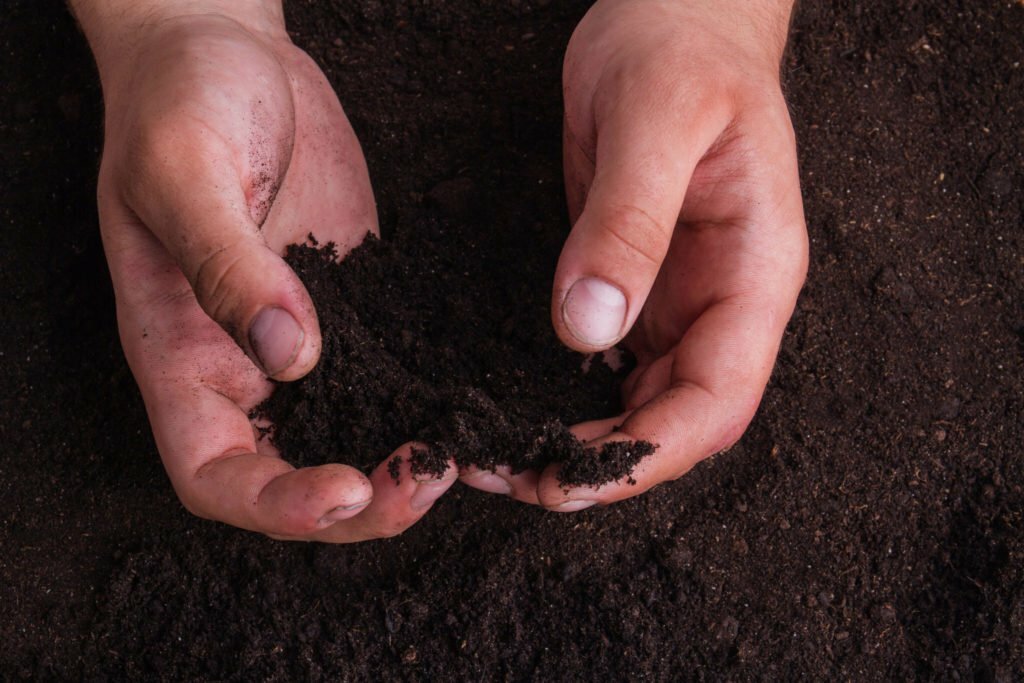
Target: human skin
<point x="689" y="243"/>
<point x="224" y="143"/>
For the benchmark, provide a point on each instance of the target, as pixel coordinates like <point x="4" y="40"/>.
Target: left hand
<point x="689" y="242"/>
<point x="225" y="143"/>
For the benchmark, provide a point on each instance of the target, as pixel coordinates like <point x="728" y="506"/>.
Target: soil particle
<point x="473" y="387"/>
<point x="104" y="576"/>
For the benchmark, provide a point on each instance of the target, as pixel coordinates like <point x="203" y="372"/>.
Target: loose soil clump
<point x="866" y="527"/>
<point x="424" y="340"/>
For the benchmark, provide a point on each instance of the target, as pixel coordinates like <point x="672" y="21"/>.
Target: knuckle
<point x="671" y="80"/>
<point x="637" y="233"/>
<point x="153" y="150"/>
<point x="165" y="147"/>
<point x="213" y="278"/>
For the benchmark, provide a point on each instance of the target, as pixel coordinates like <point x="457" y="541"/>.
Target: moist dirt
<point x="869" y="526"/>
<point x="438" y="348"/>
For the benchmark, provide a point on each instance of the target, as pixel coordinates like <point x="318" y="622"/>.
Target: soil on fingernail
<point x="614" y="456"/>
<point x="427" y="337"/>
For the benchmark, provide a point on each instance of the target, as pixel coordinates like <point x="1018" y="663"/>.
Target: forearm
<point x="114" y="28"/>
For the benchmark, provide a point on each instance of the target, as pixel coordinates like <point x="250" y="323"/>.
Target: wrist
<point x="116" y="29"/>
<point x="759" y="27"/>
<point x="765" y="22"/>
<point x="754" y="30"/>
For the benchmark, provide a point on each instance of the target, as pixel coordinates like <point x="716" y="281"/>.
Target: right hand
<point x="225" y="143"/>
<point x="689" y="242"/>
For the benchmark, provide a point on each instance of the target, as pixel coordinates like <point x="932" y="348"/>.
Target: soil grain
<point x="867" y="527"/>
<point x="483" y="382"/>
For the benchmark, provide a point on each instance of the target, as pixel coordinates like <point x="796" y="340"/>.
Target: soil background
<point x="869" y="526"/>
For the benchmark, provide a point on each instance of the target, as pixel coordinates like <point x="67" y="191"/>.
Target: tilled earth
<point x="869" y="526"/>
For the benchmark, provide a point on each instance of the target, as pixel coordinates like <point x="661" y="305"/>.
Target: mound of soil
<point x="437" y="347"/>
<point x="867" y="527"/>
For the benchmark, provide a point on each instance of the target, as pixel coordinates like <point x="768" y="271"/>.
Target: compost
<point x="438" y="347"/>
<point x="867" y="527"/>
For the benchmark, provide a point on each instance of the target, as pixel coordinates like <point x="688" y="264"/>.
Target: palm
<point x="682" y="182"/>
<point x="719" y="253"/>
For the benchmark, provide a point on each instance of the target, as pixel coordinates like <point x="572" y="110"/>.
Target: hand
<point x="224" y="143"/>
<point x="689" y="240"/>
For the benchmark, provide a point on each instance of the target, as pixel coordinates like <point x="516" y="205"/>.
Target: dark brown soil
<point x="451" y="348"/>
<point x="869" y="526"/>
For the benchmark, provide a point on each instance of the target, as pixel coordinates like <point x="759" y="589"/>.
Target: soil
<point x="441" y="348"/>
<point x="869" y="525"/>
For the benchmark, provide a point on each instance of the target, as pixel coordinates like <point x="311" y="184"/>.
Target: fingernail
<point x="275" y="337"/>
<point x="342" y="512"/>
<point x="427" y="492"/>
<point x="489" y="482"/>
<point x="450" y="474"/>
<point x="574" y="505"/>
<point x="594" y="311"/>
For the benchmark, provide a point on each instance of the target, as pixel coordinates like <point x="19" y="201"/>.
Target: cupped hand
<point x="689" y="243"/>
<point x="225" y="143"/>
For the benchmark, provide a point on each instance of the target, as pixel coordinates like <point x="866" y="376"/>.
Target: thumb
<point x="257" y="298"/>
<point x="207" y="227"/>
<point x="642" y="167"/>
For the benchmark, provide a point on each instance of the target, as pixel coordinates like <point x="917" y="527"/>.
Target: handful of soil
<point x="431" y="341"/>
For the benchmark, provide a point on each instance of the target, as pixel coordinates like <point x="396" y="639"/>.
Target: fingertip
<point x="558" y="497"/>
<point x="573" y="505"/>
<point x="413" y="475"/>
<point x="302" y="501"/>
<point x="399" y="501"/>
<point x="304" y="360"/>
<point x="257" y="298"/>
<point x="521" y="486"/>
<point x="284" y="338"/>
<point x="595" y="429"/>
<point x="433" y="471"/>
<point x="433" y="482"/>
<point x="276" y="338"/>
<point x="486" y="481"/>
<point x="428" y="492"/>
<point x="551" y="495"/>
<point x="594" y="313"/>
<point x="605" y="272"/>
<point x="309" y="349"/>
<point x="343" y="512"/>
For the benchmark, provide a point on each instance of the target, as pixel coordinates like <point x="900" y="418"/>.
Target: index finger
<point x="714" y="383"/>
